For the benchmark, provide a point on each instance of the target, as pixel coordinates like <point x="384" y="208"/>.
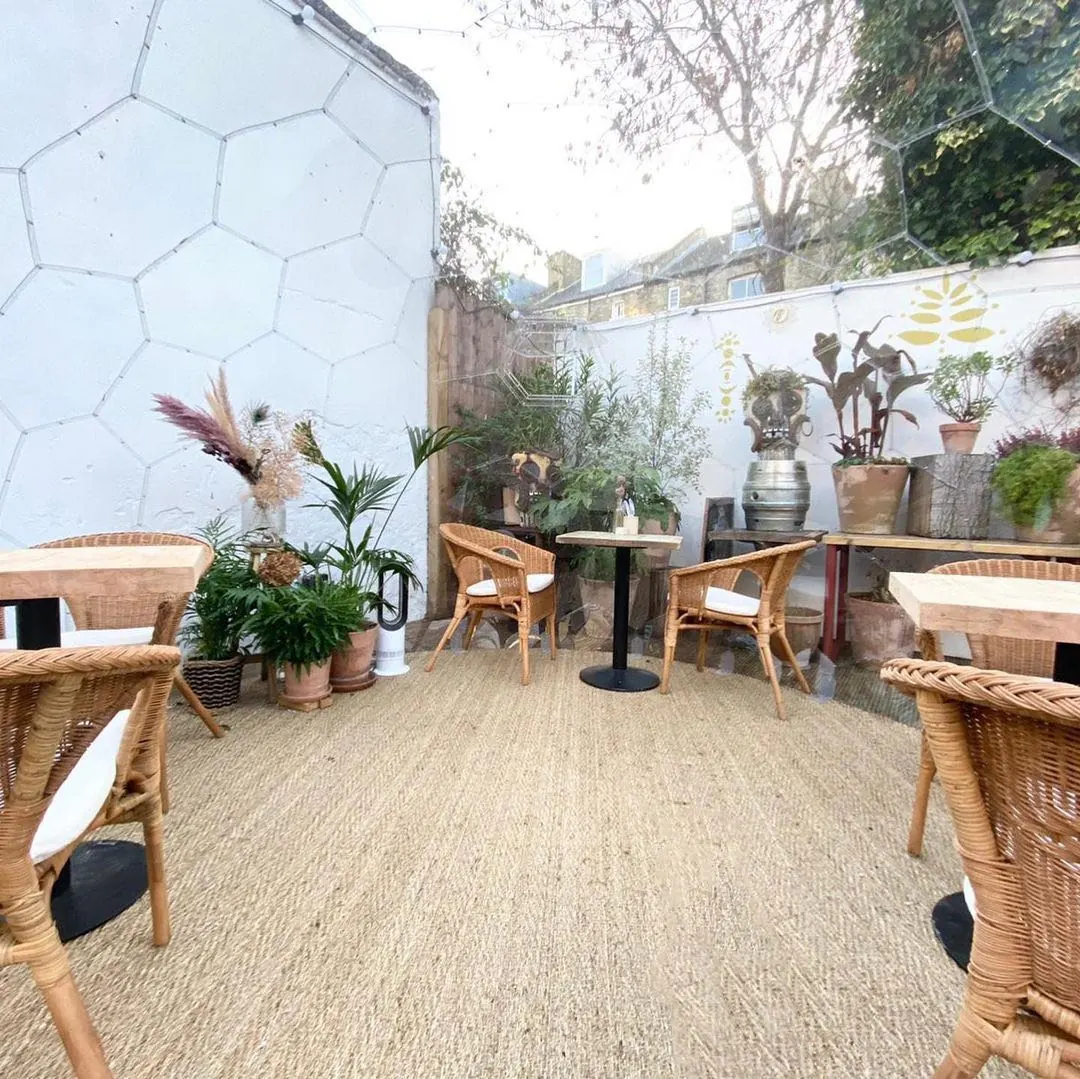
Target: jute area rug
<point x="455" y="875"/>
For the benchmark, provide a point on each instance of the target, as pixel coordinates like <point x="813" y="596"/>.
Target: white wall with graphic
<point x="185" y="185"/>
<point x="926" y="313"/>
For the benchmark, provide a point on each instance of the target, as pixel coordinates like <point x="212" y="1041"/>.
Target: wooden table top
<point x="610" y="539"/>
<point x="995" y="606"/>
<point x="760" y="535"/>
<point x="44" y="572"/>
<point x="924" y="543"/>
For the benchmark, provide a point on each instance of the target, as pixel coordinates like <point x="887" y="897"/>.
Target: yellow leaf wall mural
<point x="954" y="310"/>
<point x="727" y="347"/>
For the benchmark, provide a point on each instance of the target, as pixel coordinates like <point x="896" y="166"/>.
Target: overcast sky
<point x="506" y="122"/>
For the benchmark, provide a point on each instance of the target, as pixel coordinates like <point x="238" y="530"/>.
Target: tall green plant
<point x="357" y="499"/>
<point x="666" y="413"/>
<point x="222" y="599"/>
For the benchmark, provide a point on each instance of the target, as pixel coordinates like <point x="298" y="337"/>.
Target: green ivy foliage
<point x="981" y="188"/>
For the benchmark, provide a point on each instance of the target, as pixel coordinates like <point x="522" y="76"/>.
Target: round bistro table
<point x="618" y="677"/>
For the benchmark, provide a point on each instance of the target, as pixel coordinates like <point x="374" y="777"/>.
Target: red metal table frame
<point x="838" y="547"/>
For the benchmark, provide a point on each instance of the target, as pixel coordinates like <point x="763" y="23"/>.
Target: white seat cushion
<point x="90" y="638"/>
<point x="724" y="601"/>
<point x="79" y="798"/>
<point x="535" y="582"/>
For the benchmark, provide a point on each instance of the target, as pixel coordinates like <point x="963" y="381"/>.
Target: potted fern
<point x="301" y="626"/>
<point x="214" y="623"/>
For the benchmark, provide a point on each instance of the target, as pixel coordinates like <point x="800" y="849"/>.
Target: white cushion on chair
<point x="724" y="601"/>
<point x="80" y="797"/>
<point x="535" y="582"/>
<point x="90" y="638"/>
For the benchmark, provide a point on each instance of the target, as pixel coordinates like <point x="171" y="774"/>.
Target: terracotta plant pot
<point x="598" y="599"/>
<point x="216" y="682"/>
<point x="657" y="558"/>
<point x="1064" y="523"/>
<point x="878" y="631"/>
<point x="306" y="687"/>
<point x="352" y="667"/>
<point x="802" y="627"/>
<point x="959" y="437"/>
<point x="868" y="496"/>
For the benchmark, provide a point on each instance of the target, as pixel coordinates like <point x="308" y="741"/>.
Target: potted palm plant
<point x="301" y="626"/>
<point x="214" y="623"/>
<point x="357" y="501"/>
<point x="869" y="485"/>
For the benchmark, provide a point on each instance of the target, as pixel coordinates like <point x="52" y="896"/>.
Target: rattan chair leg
<point x="163" y="775"/>
<point x="670" y="638"/>
<point x="770" y="669"/>
<point x="153" y="838"/>
<point x="702" y="645"/>
<point x="523" y="644"/>
<point x="470" y="629"/>
<point x="68" y="1011"/>
<point x="553" y="634"/>
<point x="198" y="707"/>
<point x="927" y="771"/>
<point x="451" y="629"/>
<point x="789" y="653"/>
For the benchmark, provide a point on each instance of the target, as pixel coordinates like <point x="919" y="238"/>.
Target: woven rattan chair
<point x="704" y="598"/>
<point x="79" y="735"/>
<point x="499" y="574"/>
<point x="1008" y="752"/>
<point x="154" y="610"/>
<point x="1015" y="655"/>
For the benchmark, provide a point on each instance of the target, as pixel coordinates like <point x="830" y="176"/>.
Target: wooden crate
<point x="950" y="496"/>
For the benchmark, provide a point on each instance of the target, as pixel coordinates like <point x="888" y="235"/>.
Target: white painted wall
<point x="185" y="184"/>
<point x="998" y="306"/>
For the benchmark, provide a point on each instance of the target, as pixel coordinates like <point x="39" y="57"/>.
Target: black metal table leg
<point x="103" y="878"/>
<point x="1067" y="663"/>
<point x="954" y="928"/>
<point x="619" y="677"/>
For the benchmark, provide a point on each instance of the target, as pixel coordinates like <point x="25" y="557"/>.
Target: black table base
<point x="954" y="928"/>
<point x="618" y="677"/>
<point x="626" y="680"/>
<point x="101" y="880"/>
<point x="104" y="877"/>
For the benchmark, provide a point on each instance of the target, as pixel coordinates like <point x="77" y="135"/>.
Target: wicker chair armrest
<point x="1056" y="701"/>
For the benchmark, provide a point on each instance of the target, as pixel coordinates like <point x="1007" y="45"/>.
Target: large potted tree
<point x="869" y="484"/>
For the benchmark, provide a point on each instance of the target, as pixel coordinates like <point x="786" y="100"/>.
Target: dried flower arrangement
<point x="260" y="447"/>
<point x="1052" y="351"/>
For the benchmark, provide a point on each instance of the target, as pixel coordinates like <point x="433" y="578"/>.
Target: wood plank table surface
<point x="46" y="572"/>
<point x="619" y="677"/>
<point x="620" y="539"/>
<point x="838" y="547"/>
<point x="994" y="606"/>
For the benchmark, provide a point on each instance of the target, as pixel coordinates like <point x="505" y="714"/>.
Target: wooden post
<point x="438" y="584"/>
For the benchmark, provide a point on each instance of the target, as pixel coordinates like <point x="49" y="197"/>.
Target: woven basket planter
<point x="216" y="682"/>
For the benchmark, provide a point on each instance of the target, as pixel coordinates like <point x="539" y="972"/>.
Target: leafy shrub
<point x="302" y="625"/>
<point x="1030" y="482"/>
<point x="961" y="385"/>
<point x="222" y="599"/>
